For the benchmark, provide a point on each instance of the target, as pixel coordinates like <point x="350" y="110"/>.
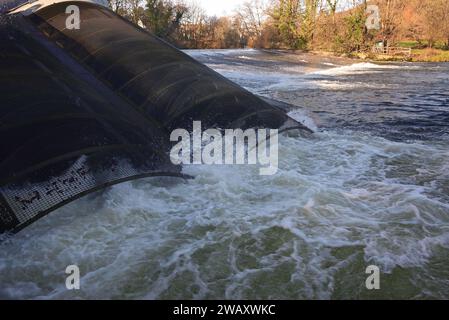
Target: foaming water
<point x="360" y="68"/>
<point x="343" y="199"/>
<point x="230" y="233"/>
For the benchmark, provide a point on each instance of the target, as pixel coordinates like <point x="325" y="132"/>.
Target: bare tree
<point x="332" y="5"/>
<point x="436" y="20"/>
<point x="118" y="6"/>
<point x="193" y="25"/>
<point x="391" y="18"/>
<point x="252" y="15"/>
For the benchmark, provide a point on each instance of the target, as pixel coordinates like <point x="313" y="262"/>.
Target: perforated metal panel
<point x="63" y="133"/>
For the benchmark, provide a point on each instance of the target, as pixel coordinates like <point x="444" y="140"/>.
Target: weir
<point x="85" y="109"/>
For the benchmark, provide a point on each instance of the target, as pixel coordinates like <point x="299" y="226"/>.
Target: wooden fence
<point x="393" y="51"/>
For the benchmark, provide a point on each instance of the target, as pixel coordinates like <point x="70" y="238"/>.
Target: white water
<point x="342" y="200"/>
<point x="360" y="68"/>
<point x="233" y="234"/>
<point x="260" y="79"/>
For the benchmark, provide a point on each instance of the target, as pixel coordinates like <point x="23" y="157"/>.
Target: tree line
<point x="331" y="25"/>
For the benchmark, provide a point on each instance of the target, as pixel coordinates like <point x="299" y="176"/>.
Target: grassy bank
<point x="439" y="53"/>
<point x="418" y="55"/>
<point x="430" y="55"/>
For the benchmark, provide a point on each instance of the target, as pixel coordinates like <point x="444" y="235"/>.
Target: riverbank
<point x="314" y="57"/>
<point x="430" y="55"/>
<point x="417" y="55"/>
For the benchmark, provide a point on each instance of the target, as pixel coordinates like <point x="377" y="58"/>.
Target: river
<point x="370" y="187"/>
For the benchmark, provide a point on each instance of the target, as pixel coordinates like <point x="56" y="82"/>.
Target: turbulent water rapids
<point x="371" y="187"/>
